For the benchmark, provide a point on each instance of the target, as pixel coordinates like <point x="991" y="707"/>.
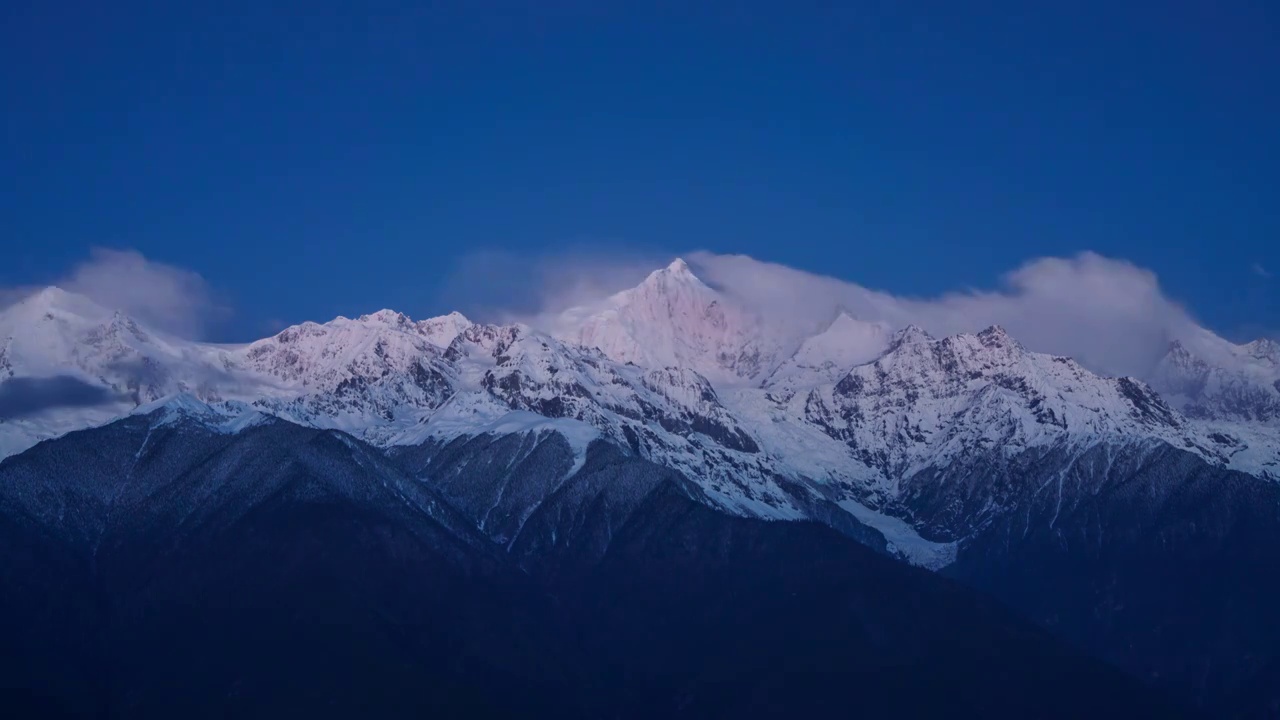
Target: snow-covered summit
<point x="1212" y="379"/>
<point x="116" y="363"/>
<point x="440" y="331"/>
<point x="57" y="333"/>
<point x="677" y="269"/>
<point x="675" y="319"/>
<point x="44" y="330"/>
<point x="53" y="300"/>
<point x="825" y="357"/>
<point x="910" y="335"/>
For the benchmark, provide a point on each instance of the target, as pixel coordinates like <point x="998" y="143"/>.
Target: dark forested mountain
<point x="161" y="566"/>
<point x="1157" y="562"/>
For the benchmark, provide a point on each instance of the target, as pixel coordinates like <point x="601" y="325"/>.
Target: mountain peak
<point x="179" y="403"/>
<point x="910" y="335"/>
<point x="1264" y="349"/>
<point x="678" y="273"/>
<point x="674" y="319"/>
<point x="679" y="266"/>
<point x="842" y="320"/>
<point x="1179" y="353"/>
<point x="46" y="295"/>
<point x="846" y="343"/>
<point x="996" y="336"/>
<point x="55" y="299"/>
<point x="846" y="330"/>
<point x="440" y="331"/>
<point x="387" y="316"/>
<point x="182" y="406"/>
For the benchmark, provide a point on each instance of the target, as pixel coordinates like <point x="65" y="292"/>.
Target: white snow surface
<point x="672" y="371"/>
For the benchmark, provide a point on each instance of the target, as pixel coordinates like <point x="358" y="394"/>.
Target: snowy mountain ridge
<point x="671" y="371"/>
<point x="1221" y="381"/>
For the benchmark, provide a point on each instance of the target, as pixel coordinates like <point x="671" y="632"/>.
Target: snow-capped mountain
<point x="365" y="375"/>
<point x="1099" y="506"/>
<point x="927" y="401"/>
<point x="53" y="332"/>
<point x="1213" y="379"/>
<point x="52" y="341"/>
<point x="827" y="356"/>
<point x="674" y="319"/>
<point x="844" y="425"/>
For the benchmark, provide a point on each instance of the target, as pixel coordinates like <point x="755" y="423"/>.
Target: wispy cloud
<point x="162" y="296"/>
<point x="1261" y="271"/>
<point x="1109" y="314"/>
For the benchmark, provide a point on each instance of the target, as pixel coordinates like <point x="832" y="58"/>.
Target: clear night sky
<point x="337" y="158"/>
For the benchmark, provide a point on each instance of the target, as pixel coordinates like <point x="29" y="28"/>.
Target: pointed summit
<point x="678" y="273"/>
<point x="846" y="343"/>
<point x="679" y="267"/>
<point x="910" y="335"/>
<point x="440" y="331"/>
<point x="47" y="296"/>
<point x="387" y="317"/>
<point x="55" y="300"/>
<point x="997" y="336"/>
<point x="675" y="319"/>
<point x="843" y="321"/>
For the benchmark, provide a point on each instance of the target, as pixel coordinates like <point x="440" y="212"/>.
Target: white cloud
<point x="1261" y="271"/>
<point x="161" y="296"/>
<point x="1109" y="314"/>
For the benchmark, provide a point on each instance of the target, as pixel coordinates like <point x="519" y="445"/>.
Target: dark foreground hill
<point x="158" y="568"/>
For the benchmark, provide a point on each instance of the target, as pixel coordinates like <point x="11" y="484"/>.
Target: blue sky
<point x="337" y="158"/>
